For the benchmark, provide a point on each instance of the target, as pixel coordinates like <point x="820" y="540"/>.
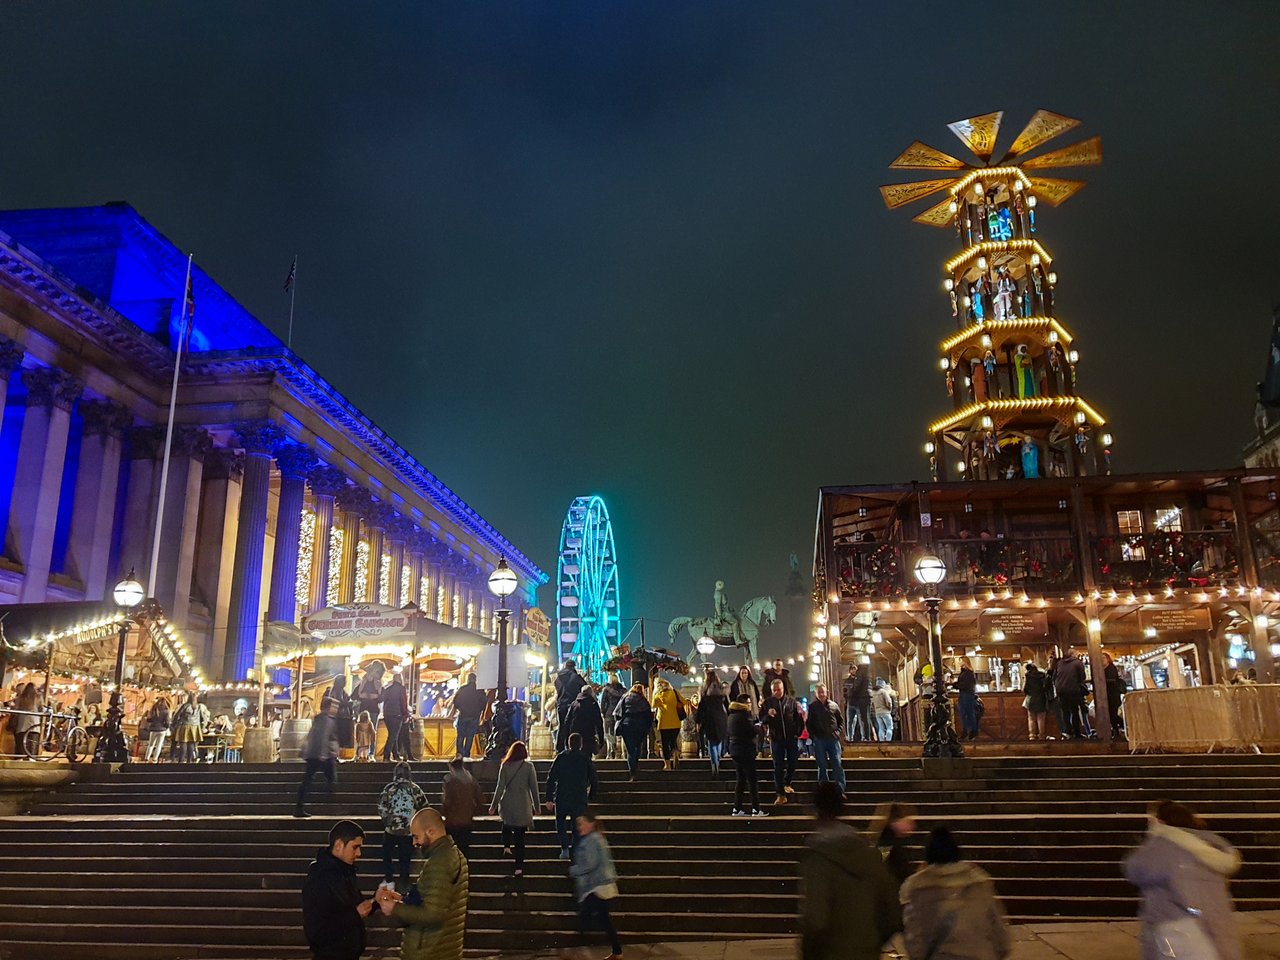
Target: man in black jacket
<point x="333" y="909"/>
<point x="779" y="672"/>
<point x="823" y="723"/>
<point x="571" y="783"/>
<point x="584" y="719"/>
<point x="1069" y="681"/>
<point x="568" y="684"/>
<point x="610" y="694"/>
<point x="857" y="703"/>
<point x="469" y="703"/>
<point x="781" y="715"/>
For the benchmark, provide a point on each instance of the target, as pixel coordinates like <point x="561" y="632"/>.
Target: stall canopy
<point x="80" y="640"/>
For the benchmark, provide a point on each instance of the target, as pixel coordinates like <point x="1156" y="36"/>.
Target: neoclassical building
<point x="281" y="498"/>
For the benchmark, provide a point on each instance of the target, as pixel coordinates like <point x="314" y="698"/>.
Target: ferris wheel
<point x="587" y="608"/>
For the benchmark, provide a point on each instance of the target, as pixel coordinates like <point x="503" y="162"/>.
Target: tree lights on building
<point x="1010" y="370"/>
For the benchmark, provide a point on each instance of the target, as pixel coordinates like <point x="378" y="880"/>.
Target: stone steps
<point x="175" y="861"/>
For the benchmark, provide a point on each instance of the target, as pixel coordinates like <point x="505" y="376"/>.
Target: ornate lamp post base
<point x="502" y="732"/>
<point x="940" y="739"/>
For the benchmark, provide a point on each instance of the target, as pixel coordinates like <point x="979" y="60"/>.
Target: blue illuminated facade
<point x="282" y="497"/>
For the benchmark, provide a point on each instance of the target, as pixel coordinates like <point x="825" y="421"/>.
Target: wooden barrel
<point x="293" y="734"/>
<point x="688" y="749"/>
<point x="542" y="745"/>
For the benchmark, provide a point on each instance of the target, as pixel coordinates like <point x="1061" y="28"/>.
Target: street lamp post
<point x="111" y="746"/>
<point x="502" y="583"/>
<point x="940" y="738"/>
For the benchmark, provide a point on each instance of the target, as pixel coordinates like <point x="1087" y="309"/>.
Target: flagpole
<point x="293" y="292"/>
<point x="187" y="317"/>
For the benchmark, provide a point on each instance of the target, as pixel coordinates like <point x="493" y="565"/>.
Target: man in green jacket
<point x="434" y="911"/>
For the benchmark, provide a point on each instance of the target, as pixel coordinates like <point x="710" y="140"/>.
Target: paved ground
<point x="1260" y="933"/>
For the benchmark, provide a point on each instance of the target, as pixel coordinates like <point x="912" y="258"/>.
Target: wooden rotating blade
<point x="1086" y="153"/>
<point x="939" y="215"/>
<point x="979" y="133"/>
<point x="1053" y="191"/>
<point x="1043" y="126"/>
<point x="921" y="156"/>
<point x="899" y="194"/>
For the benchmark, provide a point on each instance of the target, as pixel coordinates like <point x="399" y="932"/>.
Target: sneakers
<point x="301" y="814"/>
<point x="564" y="853"/>
<point x="518" y="874"/>
<point x="739" y="813"/>
<point x="758" y="813"/>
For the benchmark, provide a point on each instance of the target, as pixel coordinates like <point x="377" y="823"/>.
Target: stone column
<point x="258" y="438"/>
<point x="37" y="482"/>
<point x="216" y="547"/>
<point x="145" y="445"/>
<point x="436" y="571"/>
<point x="379" y="518"/>
<point x="93" y="513"/>
<point x="10" y="359"/>
<point x="181" y="518"/>
<point x="295" y="462"/>
<point x="398" y="531"/>
<point x="353" y="501"/>
<point x="417" y="565"/>
<point x="326" y="482"/>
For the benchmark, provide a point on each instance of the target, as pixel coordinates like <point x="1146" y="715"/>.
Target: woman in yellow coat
<point x="668" y="705"/>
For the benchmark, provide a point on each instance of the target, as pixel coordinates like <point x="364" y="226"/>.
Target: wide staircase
<point x="206" y="862"/>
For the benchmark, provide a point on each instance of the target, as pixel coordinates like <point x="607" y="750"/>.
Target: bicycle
<point x="59" y="734"/>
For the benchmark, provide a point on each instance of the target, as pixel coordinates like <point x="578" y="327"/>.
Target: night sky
<point x="636" y="248"/>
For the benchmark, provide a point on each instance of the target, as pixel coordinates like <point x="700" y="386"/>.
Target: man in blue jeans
<point x="822" y="723"/>
<point x="781" y="716"/>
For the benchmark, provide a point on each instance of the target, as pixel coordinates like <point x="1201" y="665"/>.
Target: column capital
<point x="326" y="481"/>
<point x="10" y="357"/>
<point x="294" y="460"/>
<point x="146" y="443"/>
<point x="354" y="499"/>
<point x="191" y="441"/>
<point x="259" y="437"/>
<point x="419" y="542"/>
<point x="51" y="387"/>
<point x="105" y="417"/>
<point x="380" y="516"/>
<point x="223" y="463"/>
<point x="400" y="529"/>
<point x="438" y="553"/>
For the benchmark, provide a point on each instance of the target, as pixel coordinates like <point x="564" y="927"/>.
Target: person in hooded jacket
<point x="713" y="718"/>
<point x="584" y="719"/>
<point x="949" y="907"/>
<point x="742" y="742"/>
<point x="610" y="694"/>
<point x="569" y="682"/>
<point x="634" y="719"/>
<point x="848" y="909"/>
<point x="333" y="908"/>
<point x="1183" y="871"/>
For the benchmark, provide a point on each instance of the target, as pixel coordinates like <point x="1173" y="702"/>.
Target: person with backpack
<point x="399" y="801"/>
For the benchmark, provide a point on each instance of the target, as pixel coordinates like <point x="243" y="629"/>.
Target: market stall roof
<point x="85" y="634"/>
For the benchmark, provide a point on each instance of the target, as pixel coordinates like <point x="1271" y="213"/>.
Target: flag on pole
<point x="293" y="272"/>
<point x="188" y="313"/>
<point x="191" y="297"/>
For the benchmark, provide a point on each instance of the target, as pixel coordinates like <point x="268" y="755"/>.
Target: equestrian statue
<point x="729" y="627"/>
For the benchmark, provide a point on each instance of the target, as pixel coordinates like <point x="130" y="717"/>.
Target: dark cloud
<point x="636" y="248"/>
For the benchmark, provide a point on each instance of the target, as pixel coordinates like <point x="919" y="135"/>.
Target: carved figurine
<point x="1030" y="459"/>
<point x="978" y="379"/>
<point x="993" y="223"/>
<point x="975" y="297"/>
<point x="1005" y="288"/>
<point x="989" y="363"/>
<point x="1024" y="374"/>
<point x="989" y="448"/>
<point x="1082" y="440"/>
<point x="955" y="309"/>
<point x="1004" y="224"/>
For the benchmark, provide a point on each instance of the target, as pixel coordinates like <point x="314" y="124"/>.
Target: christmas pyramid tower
<point x="1010" y="367"/>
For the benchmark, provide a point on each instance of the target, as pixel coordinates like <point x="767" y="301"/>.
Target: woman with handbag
<point x="1183" y="870"/>
<point x="671" y="709"/>
<point x="595" y="880"/>
<point x="515" y="800"/>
